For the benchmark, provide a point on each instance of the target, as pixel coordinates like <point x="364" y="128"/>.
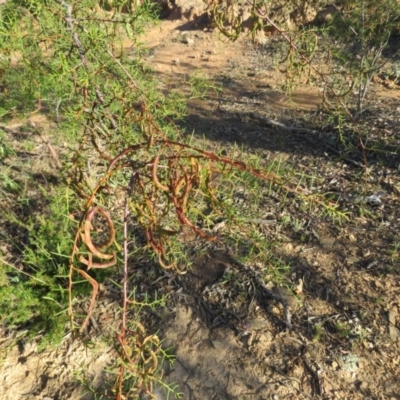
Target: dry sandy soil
<point x="344" y="289"/>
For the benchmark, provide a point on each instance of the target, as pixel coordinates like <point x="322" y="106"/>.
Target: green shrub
<point x="36" y="293"/>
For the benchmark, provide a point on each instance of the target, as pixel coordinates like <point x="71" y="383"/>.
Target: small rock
<point x="392" y="316"/>
<point x="287" y="248"/>
<point x="394" y="333"/>
<point x="298" y="289"/>
<point x="364" y="385"/>
<point x="188" y="40"/>
<point x="352" y="260"/>
<point x="327" y="243"/>
<point x="378" y="284"/>
<point x="287" y="295"/>
<point x="298" y="249"/>
<point x="273" y="309"/>
<point x="217" y="344"/>
<point x="257" y="323"/>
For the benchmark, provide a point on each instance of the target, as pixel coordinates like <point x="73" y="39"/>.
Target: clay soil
<point x="343" y="288"/>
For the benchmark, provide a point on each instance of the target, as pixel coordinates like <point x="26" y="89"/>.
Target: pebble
<point x="188" y="40"/>
<point x="257" y="323"/>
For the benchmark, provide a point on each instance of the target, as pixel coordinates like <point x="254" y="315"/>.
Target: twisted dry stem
<point x="159" y="168"/>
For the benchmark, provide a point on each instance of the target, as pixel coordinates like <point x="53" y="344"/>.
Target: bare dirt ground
<point x="344" y="288"/>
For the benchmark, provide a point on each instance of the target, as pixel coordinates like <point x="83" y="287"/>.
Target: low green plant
<point x="8" y="184"/>
<point x="200" y="85"/>
<point x="394" y="251"/>
<point x="319" y="332"/>
<point x="72" y="62"/>
<point x="343" y="329"/>
<point x="35" y="294"/>
<point x="5" y="148"/>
